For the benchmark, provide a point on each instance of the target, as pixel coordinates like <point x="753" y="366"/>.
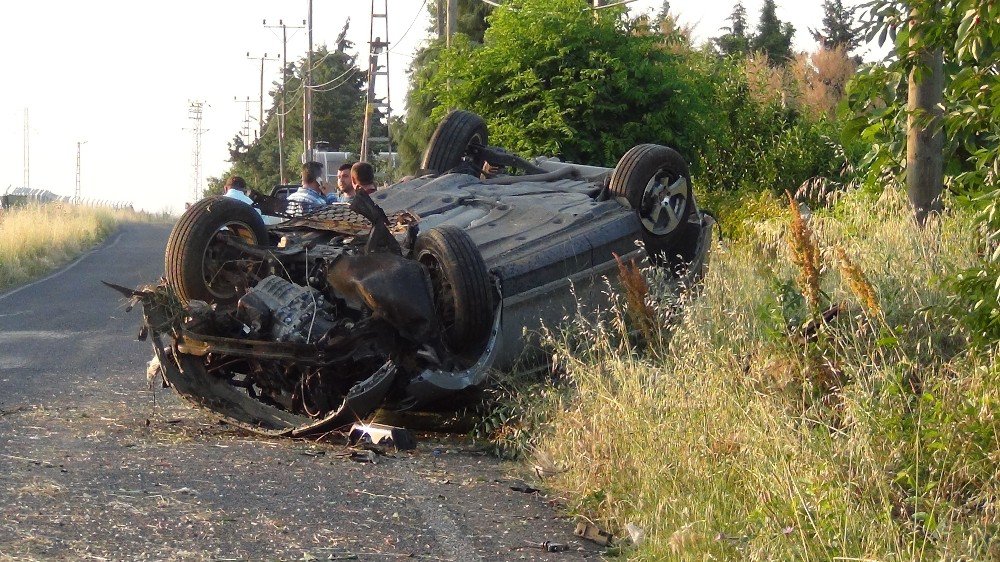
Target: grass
<point x="734" y="434"/>
<point x="40" y="238"/>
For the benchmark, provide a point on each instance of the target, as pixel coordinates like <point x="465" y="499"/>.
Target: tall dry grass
<point x="39" y="238"/>
<point x="875" y="437"/>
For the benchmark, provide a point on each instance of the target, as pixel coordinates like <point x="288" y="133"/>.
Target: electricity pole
<point x="245" y="132"/>
<point x="27" y="152"/>
<point x="376" y="48"/>
<point x="284" y="92"/>
<point x="260" y="118"/>
<point x="76" y="195"/>
<point x="307" y="133"/>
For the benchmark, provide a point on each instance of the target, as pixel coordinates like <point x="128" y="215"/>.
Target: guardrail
<point x="21" y="196"/>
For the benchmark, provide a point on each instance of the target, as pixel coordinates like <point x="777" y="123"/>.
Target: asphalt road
<point x="96" y="464"/>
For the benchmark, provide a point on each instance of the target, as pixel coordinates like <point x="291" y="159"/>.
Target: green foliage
<point x="421" y="100"/>
<point x="338" y="108"/>
<point x="977" y="289"/>
<point x="773" y="37"/>
<point x="732" y="439"/>
<point x="413" y="132"/>
<point x="735" y="41"/>
<point x="570" y="84"/>
<point x="762" y="146"/>
<point x="839" y="28"/>
<point x="471" y="20"/>
<point x="969" y="37"/>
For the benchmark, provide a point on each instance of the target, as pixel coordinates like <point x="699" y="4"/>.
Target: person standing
<point x="363" y="177"/>
<point x="345" y="186"/>
<point x="236" y="188"/>
<point x="311" y="195"/>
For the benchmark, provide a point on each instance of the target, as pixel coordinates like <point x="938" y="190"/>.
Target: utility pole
<point x="307" y="133"/>
<point x="284" y="93"/>
<point x="195" y="111"/>
<point x="376" y="48"/>
<point x="924" y="137"/>
<point x="76" y="194"/>
<point x="260" y="118"/>
<point x="451" y="20"/>
<point x="245" y="131"/>
<point x="27" y="152"/>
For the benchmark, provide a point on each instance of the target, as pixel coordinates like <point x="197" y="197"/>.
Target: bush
<point x="736" y="436"/>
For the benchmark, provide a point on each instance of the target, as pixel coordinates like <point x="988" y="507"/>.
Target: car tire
<point x="451" y="142"/>
<point x="198" y="265"/>
<point x="462" y="293"/>
<point x="656" y="183"/>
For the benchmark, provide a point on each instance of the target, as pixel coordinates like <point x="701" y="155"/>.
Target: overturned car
<point x="408" y="298"/>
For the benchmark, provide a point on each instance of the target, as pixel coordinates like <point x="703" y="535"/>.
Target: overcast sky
<point x="119" y="75"/>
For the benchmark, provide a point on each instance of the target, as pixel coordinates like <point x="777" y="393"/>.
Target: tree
<point x="774" y="37"/>
<point x="413" y="132"/>
<point x="552" y="78"/>
<point x="839" y="28"/>
<point x="471" y="18"/>
<point x="735" y="41"/>
<point x="338" y="107"/>
<point x="964" y="34"/>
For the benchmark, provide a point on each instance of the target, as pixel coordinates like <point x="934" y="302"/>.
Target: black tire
<point x="199" y="266"/>
<point x="462" y="293"/>
<point x="455" y="140"/>
<point x="645" y="176"/>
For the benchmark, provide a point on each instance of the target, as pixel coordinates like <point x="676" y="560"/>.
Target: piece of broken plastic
<point x="379" y="434"/>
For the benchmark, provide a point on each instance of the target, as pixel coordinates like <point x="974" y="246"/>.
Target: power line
<point x="415" y="18"/>
<point x="328" y="82"/>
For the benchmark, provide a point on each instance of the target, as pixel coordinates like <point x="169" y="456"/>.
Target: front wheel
<point x="656" y="182"/>
<point x="461" y="283"/>
<point x="199" y="264"/>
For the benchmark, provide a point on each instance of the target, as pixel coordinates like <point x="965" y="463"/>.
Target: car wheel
<point x="462" y="294"/>
<point x="656" y="182"/>
<point x="456" y="139"/>
<point x="199" y="264"/>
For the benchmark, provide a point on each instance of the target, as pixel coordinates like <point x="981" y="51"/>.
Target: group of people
<point x="315" y="190"/>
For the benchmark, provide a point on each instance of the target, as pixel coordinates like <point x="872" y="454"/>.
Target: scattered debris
<point x="363" y="455"/>
<point x="592" y="533"/>
<point x="549" y="546"/>
<point x="523" y="487"/>
<point x="378" y="434"/>
<point x="635" y="533"/>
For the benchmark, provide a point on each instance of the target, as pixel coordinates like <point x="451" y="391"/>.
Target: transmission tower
<point x="377" y="49"/>
<point x="195" y="109"/>
<point x="76" y="194"/>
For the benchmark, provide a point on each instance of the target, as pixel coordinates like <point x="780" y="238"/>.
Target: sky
<point x="118" y="77"/>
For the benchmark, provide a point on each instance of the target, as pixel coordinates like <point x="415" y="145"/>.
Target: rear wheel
<point x="462" y="294"/>
<point x="199" y="264"/>
<point x="656" y="182"/>
<point x="456" y="140"/>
